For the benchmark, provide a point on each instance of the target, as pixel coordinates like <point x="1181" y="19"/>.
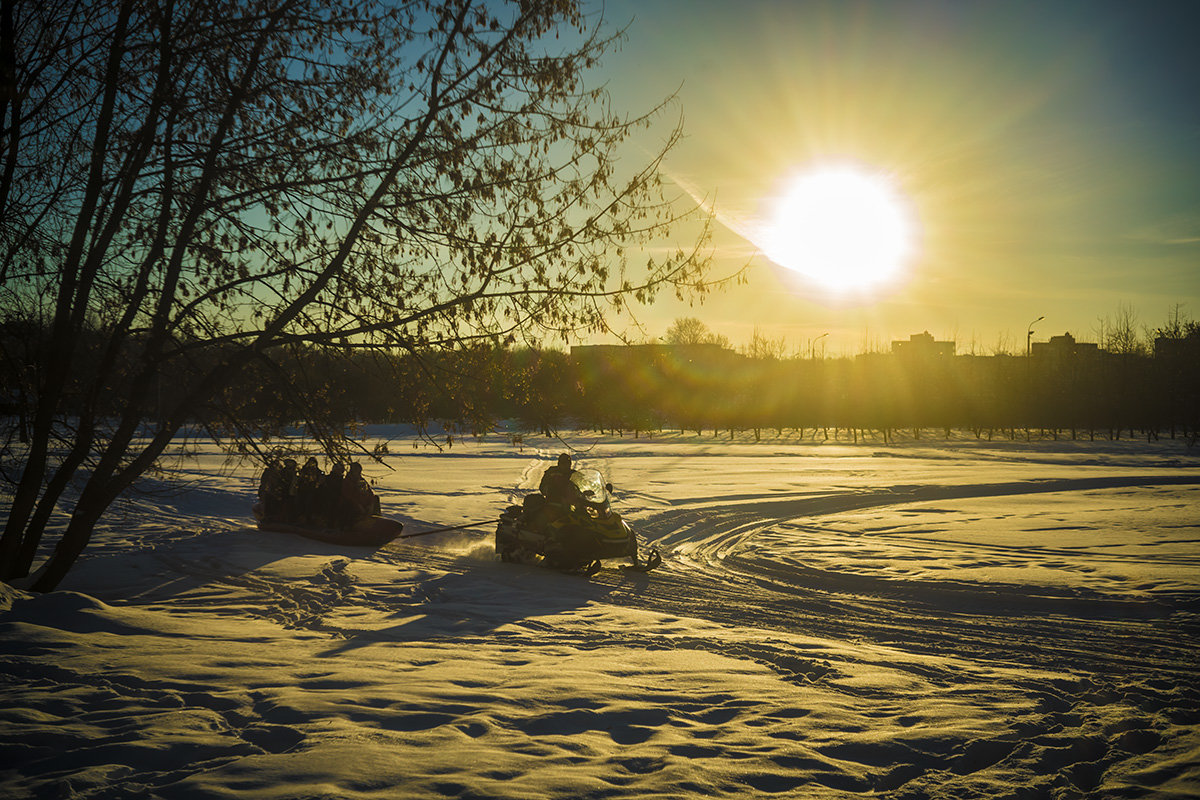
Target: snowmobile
<point x="571" y="534"/>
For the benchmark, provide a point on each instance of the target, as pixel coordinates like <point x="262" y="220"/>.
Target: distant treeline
<point x="687" y="388"/>
<point x="706" y="387"/>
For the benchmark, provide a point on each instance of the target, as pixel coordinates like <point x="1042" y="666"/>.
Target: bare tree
<point x="764" y="347"/>
<point x="688" y="330"/>
<point x="1177" y="326"/>
<point x="198" y="186"/>
<point x="1120" y="333"/>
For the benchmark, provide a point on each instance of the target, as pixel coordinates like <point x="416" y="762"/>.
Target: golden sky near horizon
<point x="1048" y="157"/>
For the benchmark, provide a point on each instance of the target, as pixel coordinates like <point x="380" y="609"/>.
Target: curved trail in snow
<point x="723" y="525"/>
<point x="720" y="563"/>
<point x="743" y="562"/>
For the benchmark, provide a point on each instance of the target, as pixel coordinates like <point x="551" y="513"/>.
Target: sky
<point x="1047" y="154"/>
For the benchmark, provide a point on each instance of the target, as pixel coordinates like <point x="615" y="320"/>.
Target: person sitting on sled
<point x="358" y="501"/>
<point x="277" y="491"/>
<point x="308" y="487"/>
<point x="329" y="497"/>
<point x="270" y="505"/>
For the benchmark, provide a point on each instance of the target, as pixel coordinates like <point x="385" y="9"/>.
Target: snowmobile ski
<point x="653" y="560"/>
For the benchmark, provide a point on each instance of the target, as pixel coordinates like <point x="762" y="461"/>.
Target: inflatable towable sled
<point x="372" y="531"/>
<point x="574" y="533"/>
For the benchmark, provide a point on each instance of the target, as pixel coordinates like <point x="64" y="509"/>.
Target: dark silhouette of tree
<point x="687" y="330"/>
<point x="1119" y="334"/>
<point x="764" y="347"/>
<point x="1176" y="387"/>
<point x="208" y="189"/>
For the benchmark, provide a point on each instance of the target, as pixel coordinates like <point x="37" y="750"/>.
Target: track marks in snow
<point x="713" y="528"/>
<point x="735" y="565"/>
<point x="740" y="668"/>
<point x="147" y="733"/>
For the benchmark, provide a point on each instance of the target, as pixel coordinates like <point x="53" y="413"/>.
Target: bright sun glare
<point x="843" y="228"/>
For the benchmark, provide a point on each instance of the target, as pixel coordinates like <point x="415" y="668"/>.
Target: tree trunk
<point x="74" y="540"/>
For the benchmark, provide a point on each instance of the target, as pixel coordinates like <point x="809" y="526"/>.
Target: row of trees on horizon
<point x="1120" y="332"/>
<point x="693" y="383"/>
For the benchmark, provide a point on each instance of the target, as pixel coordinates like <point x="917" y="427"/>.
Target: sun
<point x="844" y="228"/>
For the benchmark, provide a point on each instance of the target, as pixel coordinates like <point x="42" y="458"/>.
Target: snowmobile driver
<point x="555" y="491"/>
<point x="556" y="484"/>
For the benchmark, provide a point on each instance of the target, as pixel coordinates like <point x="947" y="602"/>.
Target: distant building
<point x="1064" y="348"/>
<point x="922" y="345"/>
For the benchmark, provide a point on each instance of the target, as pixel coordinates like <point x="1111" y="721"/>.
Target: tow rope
<point x="450" y="528"/>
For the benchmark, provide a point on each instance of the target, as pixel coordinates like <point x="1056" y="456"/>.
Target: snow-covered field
<point x="929" y="619"/>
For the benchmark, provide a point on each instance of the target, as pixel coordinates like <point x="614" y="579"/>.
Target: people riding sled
<point x="308" y="497"/>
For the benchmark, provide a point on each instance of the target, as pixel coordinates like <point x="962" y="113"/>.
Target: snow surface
<point x="930" y="619"/>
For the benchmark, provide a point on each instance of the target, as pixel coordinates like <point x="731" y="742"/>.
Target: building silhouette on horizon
<point x="922" y="345"/>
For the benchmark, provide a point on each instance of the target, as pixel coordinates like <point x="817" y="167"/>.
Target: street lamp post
<point x="812" y="347"/>
<point x="1029" y="371"/>
<point x="1029" y="336"/>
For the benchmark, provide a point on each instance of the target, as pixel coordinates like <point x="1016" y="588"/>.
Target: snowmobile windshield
<point x="590" y="485"/>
